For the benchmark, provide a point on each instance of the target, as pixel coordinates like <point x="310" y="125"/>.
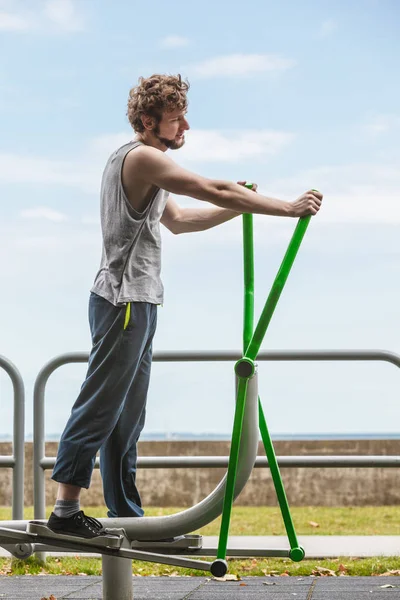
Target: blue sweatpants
<point x="109" y="413"/>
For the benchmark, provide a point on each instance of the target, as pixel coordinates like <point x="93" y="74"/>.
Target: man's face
<point x="171" y="129"/>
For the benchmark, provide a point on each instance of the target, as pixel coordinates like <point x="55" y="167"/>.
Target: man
<point x="109" y="412"/>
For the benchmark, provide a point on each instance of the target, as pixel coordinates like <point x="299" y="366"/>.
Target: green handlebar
<point x="253" y="342"/>
<point x="277" y="288"/>
<point x="248" y="271"/>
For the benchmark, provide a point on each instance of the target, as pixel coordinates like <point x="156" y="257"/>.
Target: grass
<point x="80" y="565"/>
<point x="249" y="521"/>
<point x="266" y="520"/>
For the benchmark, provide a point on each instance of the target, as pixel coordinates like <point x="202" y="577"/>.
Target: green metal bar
<point x="297" y="552"/>
<point x="277" y="287"/>
<point x="251" y="346"/>
<point x="248" y="322"/>
<point x="277" y="479"/>
<point x="232" y="467"/>
<point x="248" y="263"/>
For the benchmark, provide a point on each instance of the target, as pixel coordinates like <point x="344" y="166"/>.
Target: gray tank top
<point x="131" y="258"/>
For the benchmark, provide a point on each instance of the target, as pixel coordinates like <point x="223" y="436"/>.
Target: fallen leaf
<point x="323" y="572"/>
<point x="313" y="524"/>
<point x="387" y="586"/>
<point x="227" y="578"/>
<point x="268" y="583"/>
<point x="242" y="584"/>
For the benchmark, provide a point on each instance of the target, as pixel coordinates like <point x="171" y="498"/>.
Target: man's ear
<point x="148" y="122"/>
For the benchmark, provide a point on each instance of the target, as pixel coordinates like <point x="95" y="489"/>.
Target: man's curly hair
<point x="154" y="95"/>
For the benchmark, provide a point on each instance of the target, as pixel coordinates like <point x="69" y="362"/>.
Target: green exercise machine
<point x="245" y="369"/>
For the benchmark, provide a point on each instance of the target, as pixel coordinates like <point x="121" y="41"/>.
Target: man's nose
<point x="186" y="125"/>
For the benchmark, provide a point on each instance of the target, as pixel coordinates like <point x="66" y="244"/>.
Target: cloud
<point x="353" y="193"/>
<point x="14" y="22"/>
<point x="240" y="65"/>
<point x="85" y="172"/>
<point x="43" y="212"/>
<point x="383" y="123"/>
<point x="61" y="14"/>
<point x="64" y="14"/>
<point x="231" y="147"/>
<point x="16" y="168"/>
<point x="327" y="28"/>
<point x="174" y="41"/>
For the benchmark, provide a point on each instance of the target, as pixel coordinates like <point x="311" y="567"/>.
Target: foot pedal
<point x="110" y="540"/>
<point x="179" y="544"/>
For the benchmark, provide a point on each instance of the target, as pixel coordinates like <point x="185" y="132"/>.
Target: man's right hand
<point x="308" y="203"/>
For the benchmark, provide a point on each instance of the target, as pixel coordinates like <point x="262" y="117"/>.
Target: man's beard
<point x="171" y="144"/>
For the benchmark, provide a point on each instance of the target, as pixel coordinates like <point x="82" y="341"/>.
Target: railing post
<point x="17" y="460"/>
<point x="39" y="453"/>
<point x="41" y="462"/>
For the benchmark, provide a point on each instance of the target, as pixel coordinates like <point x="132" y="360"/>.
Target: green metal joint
<point x="245" y="368"/>
<point x="297" y="554"/>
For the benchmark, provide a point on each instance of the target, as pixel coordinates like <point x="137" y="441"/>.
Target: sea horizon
<point x="188" y="436"/>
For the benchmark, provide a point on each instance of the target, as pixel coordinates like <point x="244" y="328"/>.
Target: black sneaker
<point x="79" y="525"/>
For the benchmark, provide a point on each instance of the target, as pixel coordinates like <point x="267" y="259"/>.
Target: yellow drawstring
<point x="127" y="315"/>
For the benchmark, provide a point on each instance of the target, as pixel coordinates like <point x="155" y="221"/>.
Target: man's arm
<point x="186" y="220"/>
<point x="153" y="166"/>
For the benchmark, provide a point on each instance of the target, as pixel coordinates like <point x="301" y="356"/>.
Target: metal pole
<point x="232" y="467"/>
<point x="18" y="438"/>
<point x="39" y="487"/>
<point x="147" y="528"/>
<point x="277" y="288"/>
<point x="117" y="578"/>
<point x="296" y="552"/>
<point x="219" y="462"/>
<point x="39" y="452"/>
<point x="254" y="342"/>
<point x="248" y="272"/>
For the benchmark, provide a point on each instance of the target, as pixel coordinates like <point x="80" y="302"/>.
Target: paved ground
<point x="253" y="588"/>
<point x="201" y="588"/>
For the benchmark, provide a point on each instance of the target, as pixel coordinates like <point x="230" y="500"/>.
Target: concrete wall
<point x="185" y="487"/>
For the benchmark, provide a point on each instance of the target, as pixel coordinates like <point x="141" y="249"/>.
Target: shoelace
<point x="95" y="524"/>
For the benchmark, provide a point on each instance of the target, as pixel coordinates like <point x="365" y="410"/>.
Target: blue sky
<point x="290" y="95"/>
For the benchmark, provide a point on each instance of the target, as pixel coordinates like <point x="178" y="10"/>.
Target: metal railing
<point x="16" y="460"/>
<point x="41" y="462"/>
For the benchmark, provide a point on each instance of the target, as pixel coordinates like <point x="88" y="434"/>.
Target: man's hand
<point x="308" y="203"/>
<point x="253" y="188"/>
